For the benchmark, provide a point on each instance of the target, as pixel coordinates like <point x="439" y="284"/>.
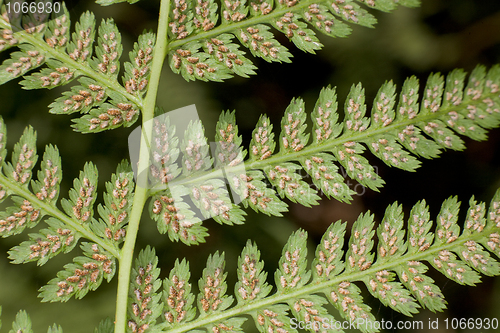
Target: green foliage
<point x="22" y="323"/>
<point x="397" y="132"/>
<point x="70" y="57"/>
<point x="187" y="180"/>
<point x="144" y="306"/>
<point x="204" y="50"/>
<point x="84" y="274"/>
<point x="200" y="49"/>
<point x="105" y="326"/>
<point x="302" y="292"/>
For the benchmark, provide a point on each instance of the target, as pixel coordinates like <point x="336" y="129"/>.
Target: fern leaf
<point x="229" y="153"/>
<point x="86" y="273"/>
<point x="292" y="272"/>
<point x="176" y="217"/>
<point x="137" y="71"/>
<point x="80" y="98"/>
<point x="255" y="194"/>
<point x="21" y="63"/>
<point x="390" y="247"/>
<point x="212" y="298"/>
<point x="46" y="244"/>
<point x="198" y="65"/>
<point x="58" y="30"/>
<point x="82" y="195"/>
<point x="201" y="49"/>
<point x="55" y="329"/>
<point x="109" y="49"/>
<point x="251" y="283"/>
<point x="35" y="199"/>
<point x="213" y="287"/>
<point x="383" y="114"/>
<point x="103" y="101"/>
<point x="117" y="205"/>
<point x="105" y="326"/>
<point x="144" y="301"/>
<point x="410" y="137"/>
<point x="80" y="48"/>
<point x="262" y="145"/>
<point x="195" y="146"/>
<point x="22" y="323"/>
<point x="211" y="197"/>
<point x="491" y="242"/>
<point x="33" y="202"/>
<point x="22" y="214"/>
<point x="24" y="158"/>
<point x="56" y="75"/>
<point x="177" y="296"/>
<point x="393" y="271"/>
<point x="7" y="39"/>
<point x="119" y="112"/>
<point x="347" y="299"/>
<point x="229" y="55"/>
<point x="260" y="42"/>
<point x="397" y="132"/>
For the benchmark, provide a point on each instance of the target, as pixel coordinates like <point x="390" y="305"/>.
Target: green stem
<point x="141" y="192"/>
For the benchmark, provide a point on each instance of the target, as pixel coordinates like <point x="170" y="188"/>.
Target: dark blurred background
<point x="437" y="37"/>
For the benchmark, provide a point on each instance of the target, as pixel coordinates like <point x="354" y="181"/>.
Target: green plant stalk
<point x="141" y="193"/>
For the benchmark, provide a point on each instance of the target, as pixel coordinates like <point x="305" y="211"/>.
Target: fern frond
<point x="177" y="296"/>
<point x="105" y="326"/>
<point x="46" y="244"/>
<point x="22" y="323"/>
<point x="144" y="300"/>
<point x="117" y="205"/>
<point x="201" y="48"/>
<point x="86" y="273"/>
<point x="55" y="329"/>
<point x="33" y="200"/>
<point x="397" y="132"/>
<point x="393" y="270"/>
<point x="99" y="97"/>
<point x="111" y="2"/>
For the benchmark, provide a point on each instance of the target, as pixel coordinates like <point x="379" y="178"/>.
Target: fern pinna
<point x="103" y="101"/>
<point x="187" y="181"/>
<point x="396" y="133"/>
<point x="302" y="292"/>
<point x="197" y="48"/>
